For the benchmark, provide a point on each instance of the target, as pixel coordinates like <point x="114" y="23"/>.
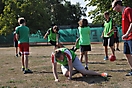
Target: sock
<point x="23" y="67"/>
<point x="26" y="69"/>
<point x="86" y="65"/>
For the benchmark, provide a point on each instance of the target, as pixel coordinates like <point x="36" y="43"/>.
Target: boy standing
<point x="22" y="35"/>
<point x="108" y="35"/>
<point x="126" y="29"/>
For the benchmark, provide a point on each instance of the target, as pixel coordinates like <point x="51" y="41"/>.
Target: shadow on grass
<point x="116" y="70"/>
<point x="43" y="72"/>
<point x="91" y="79"/>
<point x="96" y="63"/>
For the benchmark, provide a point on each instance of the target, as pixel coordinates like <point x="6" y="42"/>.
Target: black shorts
<point x="85" y="48"/>
<point x="116" y="40"/>
<point x="108" y="41"/>
<point x="52" y="42"/>
<point x="15" y="43"/>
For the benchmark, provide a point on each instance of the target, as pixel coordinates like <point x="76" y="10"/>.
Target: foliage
<point x="102" y="6"/>
<point x="39" y="14"/>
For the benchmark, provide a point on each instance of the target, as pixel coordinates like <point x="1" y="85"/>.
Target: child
<point x="22" y="35"/>
<point x="108" y="35"/>
<point x="84" y="40"/>
<point x="52" y="35"/>
<point x="69" y="60"/>
<point x="116" y="38"/>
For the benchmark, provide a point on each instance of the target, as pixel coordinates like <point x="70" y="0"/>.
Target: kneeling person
<point x="68" y="60"/>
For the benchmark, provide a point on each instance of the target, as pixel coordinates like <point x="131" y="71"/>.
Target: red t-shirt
<point x="126" y="20"/>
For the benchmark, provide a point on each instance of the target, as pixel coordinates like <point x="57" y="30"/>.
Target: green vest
<point x="107" y="28"/>
<point x="65" y="62"/>
<point x="51" y="36"/>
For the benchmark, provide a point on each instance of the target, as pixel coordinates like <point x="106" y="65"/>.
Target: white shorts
<point x="76" y="64"/>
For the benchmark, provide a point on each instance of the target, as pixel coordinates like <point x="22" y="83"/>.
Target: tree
<point x="39" y="14"/>
<point x="33" y="11"/>
<point x="64" y="13"/>
<point x="102" y="6"/>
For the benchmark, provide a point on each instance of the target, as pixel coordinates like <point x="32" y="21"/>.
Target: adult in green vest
<point x="108" y="35"/>
<point x="68" y="59"/>
<point x="52" y="35"/>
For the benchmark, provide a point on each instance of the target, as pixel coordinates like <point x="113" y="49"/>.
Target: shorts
<point x="127" y="46"/>
<point x="84" y="48"/>
<point x="108" y="41"/>
<point x="15" y="43"/>
<point x="116" y="40"/>
<point x="76" y="64"/>
<point x="24" y="48"/>
<point x="52" y="42"/>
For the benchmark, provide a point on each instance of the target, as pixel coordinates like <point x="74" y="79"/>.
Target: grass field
<point x="11" y="75"/>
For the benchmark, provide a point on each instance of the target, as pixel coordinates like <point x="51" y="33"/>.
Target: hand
<point x="124" y="36"/>
<point x="69" y="78"/>
<point x="56" y="80"/>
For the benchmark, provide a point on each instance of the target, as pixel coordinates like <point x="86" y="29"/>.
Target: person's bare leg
<point x="81" y="56"/>
<point x="22" y="59"/>
<point x="26" y="61"/>
<point x="112" y="50"/>
<point x="106" y="50"/>
<point x="86" y="60"/>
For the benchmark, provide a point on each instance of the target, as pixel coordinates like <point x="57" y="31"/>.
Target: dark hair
<point x="83" y="23"/>
<point x="56" y="28"/>
<point x="58" y="54"/>
<point x="118" y="2"/>
<point x="106" y="13"/>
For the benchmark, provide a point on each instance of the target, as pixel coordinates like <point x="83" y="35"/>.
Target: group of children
<point x="67" y="57"/>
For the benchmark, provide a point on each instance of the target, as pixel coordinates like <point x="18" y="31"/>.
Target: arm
<point x="54" y="68"/>
<point x="128" y="32"/>
<point x="47" y="33"/>
<point x="70" y="69"/>
<point x="17" y="34"/>
<point x="110" y="32"/>
<point x="102" y="34"/>
<point x="17" y="37"/>
<point x="69" y="58"/>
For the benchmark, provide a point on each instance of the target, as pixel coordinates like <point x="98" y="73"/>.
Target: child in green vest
<point x="53" y="35"/>
<point x="69" y="60"/>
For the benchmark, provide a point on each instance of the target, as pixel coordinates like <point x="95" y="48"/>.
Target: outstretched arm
<point x="70" y="69"/>
<point x="54" y="68"/>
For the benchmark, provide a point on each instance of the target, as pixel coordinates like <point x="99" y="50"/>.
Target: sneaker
<point x="16" y="55"/>
<point x="19" y="54"/>
<point x="117" y="49"/>
<point x="86" y="68"/>
<point x="27" y="71"/>
<point x="129" y="74"/>
<point x="104" y="74"/>
<point x="106" y="58"/>
<point x="23" y="69"/>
